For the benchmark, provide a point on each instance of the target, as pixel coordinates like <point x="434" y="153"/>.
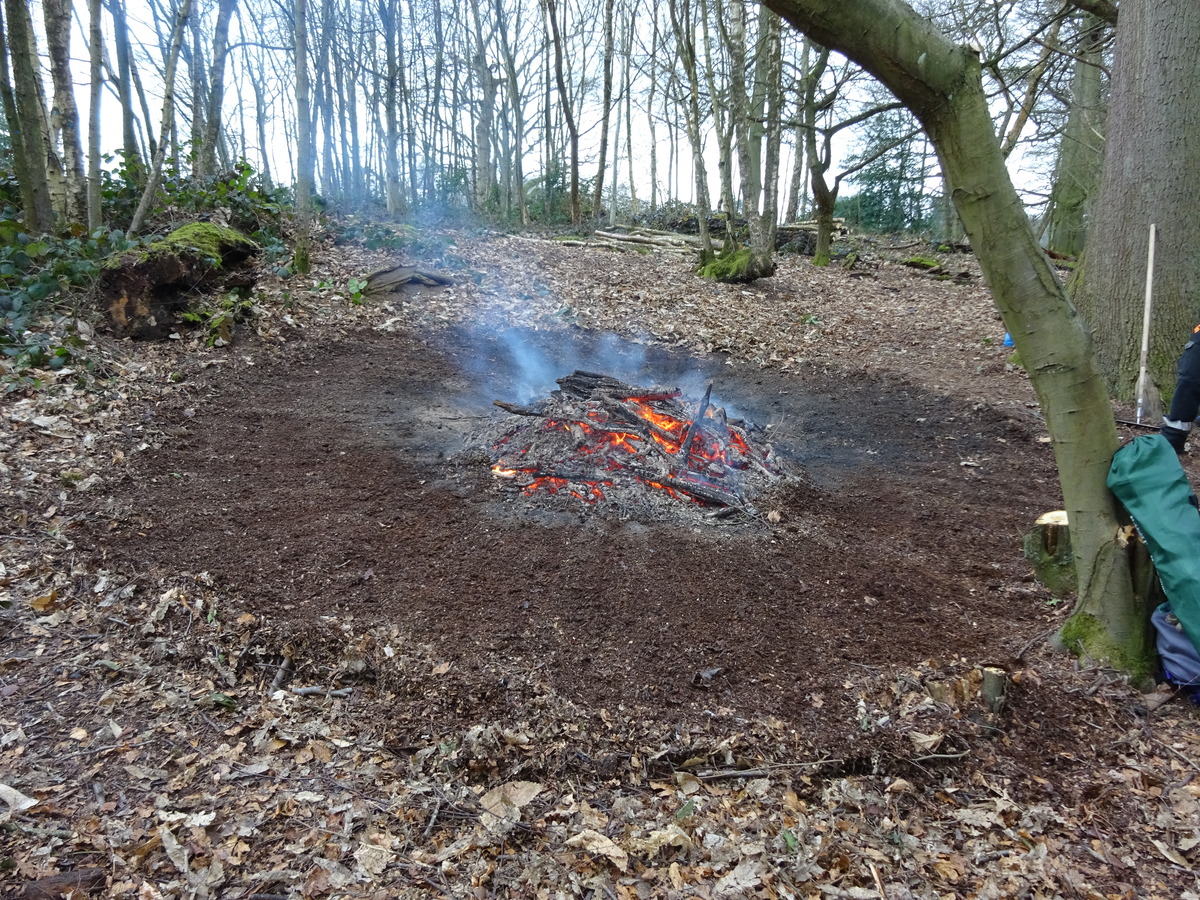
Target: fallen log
<point x="146" y="293"/>
<point x="393" y="278"/>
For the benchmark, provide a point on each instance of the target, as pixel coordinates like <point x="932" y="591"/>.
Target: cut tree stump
<point x="145" y="292"/>
<point x="1048" y="549"/>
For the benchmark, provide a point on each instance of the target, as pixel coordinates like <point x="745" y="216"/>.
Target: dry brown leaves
<point x="149" y="745"/>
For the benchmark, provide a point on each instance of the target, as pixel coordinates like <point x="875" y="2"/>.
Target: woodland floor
<point x="271" y="628"/>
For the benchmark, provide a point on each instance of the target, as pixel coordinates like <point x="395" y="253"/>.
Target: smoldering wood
<point x="594" y="438"/>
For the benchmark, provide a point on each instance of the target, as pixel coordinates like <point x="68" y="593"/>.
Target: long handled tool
<point x="1141" y="382"/>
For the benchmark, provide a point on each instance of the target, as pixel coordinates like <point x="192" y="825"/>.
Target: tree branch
<point x="1101" y="9"/>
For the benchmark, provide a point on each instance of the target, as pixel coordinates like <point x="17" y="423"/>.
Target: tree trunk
<point x="605" y="111"/>
<point x="168" y="120"/>
<point x="940" y="83"/>
<point x="681" y="23"/>
<point x="516" y="111"/>
<point x="206" y="153"/>
<point x="650" y="112"/>
<point x="95" y="41"/>
<point x="1151" y="176"/>
<point x="133" y="156"/>
<point x="302" y="255"/>
<point x="568" y="113"/>
<point x="27" y="102"/>
<point x="628" y="89"/>
<point x="57" y="15"/>
<point x="489" y="87"/>
<point x="388" y="13"/>
<point x="1081" y="148"/>
<point x="722" y="118"/>
<point x="760" y="264"/>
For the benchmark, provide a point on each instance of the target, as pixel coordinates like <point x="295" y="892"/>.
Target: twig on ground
<point x="317" y="690"/>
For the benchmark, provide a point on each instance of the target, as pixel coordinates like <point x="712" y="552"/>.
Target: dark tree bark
<point x="605" y="111"/>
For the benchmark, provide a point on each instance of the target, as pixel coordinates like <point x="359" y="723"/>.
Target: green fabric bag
<point x="1150" y="483"/>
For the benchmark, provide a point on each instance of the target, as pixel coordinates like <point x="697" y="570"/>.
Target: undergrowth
<point x="43" y="279"/>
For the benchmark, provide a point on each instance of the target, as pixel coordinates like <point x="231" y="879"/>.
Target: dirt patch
<point x="281" y="632"/>
<point x="341" y="480"/>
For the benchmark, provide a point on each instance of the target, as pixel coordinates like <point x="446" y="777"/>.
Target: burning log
<point x="598" y="438"/>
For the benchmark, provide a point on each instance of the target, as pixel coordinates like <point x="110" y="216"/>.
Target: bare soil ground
<point x="277" y="631"/>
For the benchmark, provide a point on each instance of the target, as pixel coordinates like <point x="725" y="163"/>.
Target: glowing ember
<point x="596" y="437"/>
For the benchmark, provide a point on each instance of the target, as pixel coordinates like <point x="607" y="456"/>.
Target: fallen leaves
<point x="148" y="753"/>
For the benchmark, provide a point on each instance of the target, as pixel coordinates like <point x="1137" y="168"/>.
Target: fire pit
<point x="602" y="441"/>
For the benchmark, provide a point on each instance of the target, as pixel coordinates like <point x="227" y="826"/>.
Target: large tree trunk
<point x="760" y="264"/>
<point x="25" y="119"/>
<point x="1151" y="176"/>
<point x="16" y="134"/>
<point x="940" y="83"/>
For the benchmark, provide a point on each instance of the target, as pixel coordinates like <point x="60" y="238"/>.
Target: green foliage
<point x="239" y="194"/>
<point x="356" y="288"/>
<point x="32" y="274"/>
<point x="216" y="318"/>
<point x="898" y="184"/>
<point x="548" y="196"/>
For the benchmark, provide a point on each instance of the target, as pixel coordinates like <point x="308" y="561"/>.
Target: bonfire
<point x="601" y="440"/>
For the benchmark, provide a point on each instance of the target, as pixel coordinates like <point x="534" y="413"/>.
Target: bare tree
<point x="302" y="253"/>
<point x="567" y="110"/>
<point x="605" y="109"/>
<point x="168" y="119"/>
<point x="206" y="152"/>
<point x="685" y="47"/>
<point x="57" y="16"/>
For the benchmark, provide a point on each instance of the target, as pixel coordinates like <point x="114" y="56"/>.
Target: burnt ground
<point x="297" y="590"/>
<point x="341" y="481"/>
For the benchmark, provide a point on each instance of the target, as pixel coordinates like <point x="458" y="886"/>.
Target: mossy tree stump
<point x="1048" y="549"/>
<point x="145" y="292"/>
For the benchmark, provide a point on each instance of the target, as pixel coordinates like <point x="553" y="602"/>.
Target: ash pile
<point x="646" y="451"/>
